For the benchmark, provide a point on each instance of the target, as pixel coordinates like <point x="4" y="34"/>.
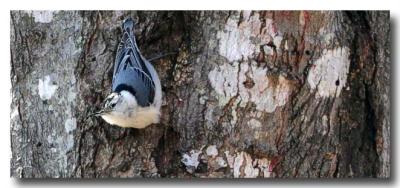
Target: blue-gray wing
<point x="130" y="71"/>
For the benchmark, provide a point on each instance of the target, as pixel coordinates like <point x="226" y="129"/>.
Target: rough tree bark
<point x="249" y="94"/>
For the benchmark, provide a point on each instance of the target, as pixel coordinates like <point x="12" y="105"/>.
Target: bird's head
<point x="111" y="103"/>
<point x="119" y="109"/>
<point x="117" y="104"/>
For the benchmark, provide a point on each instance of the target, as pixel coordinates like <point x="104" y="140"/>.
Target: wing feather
<point x="130" y="71"/>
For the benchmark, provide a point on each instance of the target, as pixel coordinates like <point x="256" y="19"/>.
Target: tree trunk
<point x="249" y="94"/>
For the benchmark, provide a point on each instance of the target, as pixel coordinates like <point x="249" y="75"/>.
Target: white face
<point x="119" y="105"/>
<point x="111" y="102"/>
<point x="122" y="110"/>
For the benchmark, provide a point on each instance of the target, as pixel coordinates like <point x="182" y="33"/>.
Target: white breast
<point x="139" y="119"/>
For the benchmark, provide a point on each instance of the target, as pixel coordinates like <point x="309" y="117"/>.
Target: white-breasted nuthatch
<point x="135" y="100"/>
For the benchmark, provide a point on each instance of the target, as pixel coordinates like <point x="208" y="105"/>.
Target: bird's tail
<point x="129" y="37"/>
<point x="128" y="25"/>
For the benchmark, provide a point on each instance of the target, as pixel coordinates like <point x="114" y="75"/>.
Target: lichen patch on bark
<point x="242" y="38"/>
<point x="70" y="125"/>
<point x="235" y="40"/>
<point x="329" y="73"/>
<point x="191" y="160"/>
<point x="212" y="150"/>
<point x="14" y="113"/>
<point x="246" y="167"/>
<point x="42" y="16"/>
<point x="46" y="88"/>
<point x="268" y="93"/>
<point x="238" y="162"/>
<point x="254" y="124"/>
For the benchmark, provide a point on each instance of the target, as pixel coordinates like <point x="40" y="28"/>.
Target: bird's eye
<point x="112" y="105"/>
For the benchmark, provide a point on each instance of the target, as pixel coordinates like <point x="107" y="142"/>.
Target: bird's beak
<point x="99" y="113"/>
<point x="96" y="114"/>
